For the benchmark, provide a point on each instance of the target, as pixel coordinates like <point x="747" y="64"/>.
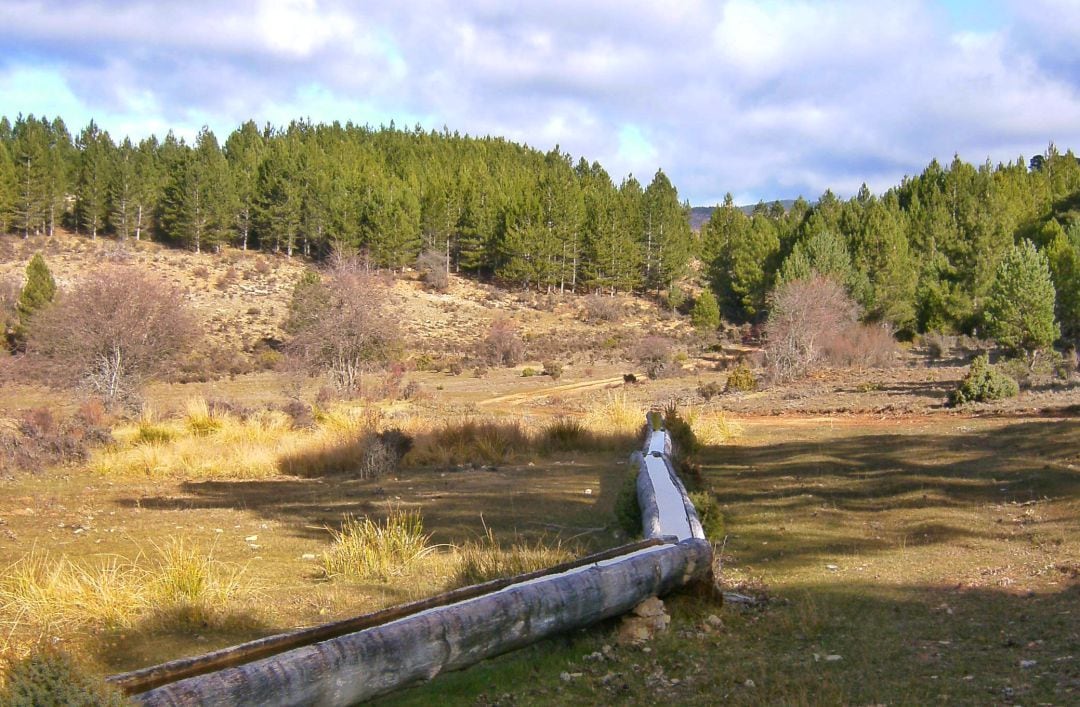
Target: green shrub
<point x="712" y="518"/>
<point x="528" y="372"/>
<point x="706" y="312"/>
<point x="983" y="383"/>
<point x="53" y="678"/>
<point x="627" y="511"/>
<point x="741" y="379"/>
<point x="553" y="369"/>
<point x="683" y="440"/>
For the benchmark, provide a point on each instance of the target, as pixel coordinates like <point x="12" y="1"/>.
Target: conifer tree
<point x="94" y="179"/>
<point x="666" y="239"/>
<point x="31" y="146"/>
<point x="1020" y="311"/>
<point x="706" y="312"/>
<point x="38" y="292"/>
<point x="1064" y="258"/>
<point x="244" y="150"/>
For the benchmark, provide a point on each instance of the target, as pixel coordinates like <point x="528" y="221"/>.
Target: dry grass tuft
<point x="485" y="559"/>
<point x="710" y="428"/>
<point x="367" y="549"/>
<point x="615" y="415"/>
<point x="41" y="594"/>
<point x="210" y="444"/>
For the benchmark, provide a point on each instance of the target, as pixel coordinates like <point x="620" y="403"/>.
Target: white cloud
<point x="764" y="99"/>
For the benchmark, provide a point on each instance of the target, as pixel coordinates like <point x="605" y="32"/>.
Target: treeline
<point x="924" y="256"/>
<point x="487" y="205"/>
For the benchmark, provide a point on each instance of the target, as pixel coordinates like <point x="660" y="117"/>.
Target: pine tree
<point x="1063" y="254"/>
<point x="706" y="312"/>
<point x="30" y="155"/>
<point x="278" y="199"/>
<point x="666" y="238"/>
<point x="244" y="150"/>
<point x="122" y="191"/>
<point x="7" y="186"/>
<point x="195" y="203"/>
<point x="38" y="292"/>
<point x="94" y="179"/>
<point x="1020" y="310"/>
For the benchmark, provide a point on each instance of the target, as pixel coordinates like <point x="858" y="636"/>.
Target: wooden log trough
<point x="350" y="661"/>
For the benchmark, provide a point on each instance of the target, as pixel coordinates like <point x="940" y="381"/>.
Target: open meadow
<point x="876" y="544"/>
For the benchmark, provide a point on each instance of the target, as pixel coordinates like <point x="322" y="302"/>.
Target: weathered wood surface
<point x="361" y="665"/>
<point x="154" y="676"/>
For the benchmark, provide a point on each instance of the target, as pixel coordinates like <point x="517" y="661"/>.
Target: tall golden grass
<point x="206" y="443"/>
<point x="397" y="547"/>
<point x="44" y="595"/>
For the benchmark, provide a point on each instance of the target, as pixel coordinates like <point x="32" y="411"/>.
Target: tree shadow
<point x="927" y="482"/>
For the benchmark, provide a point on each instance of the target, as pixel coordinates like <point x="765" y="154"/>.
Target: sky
<point x="766" y="99"/>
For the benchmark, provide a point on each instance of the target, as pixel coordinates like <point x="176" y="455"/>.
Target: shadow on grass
<point x="169" y="634"/>
<point x="819" y="644"/>
<point x="931" y="488"/>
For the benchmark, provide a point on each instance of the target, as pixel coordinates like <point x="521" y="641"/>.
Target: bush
<point x="710" y="515"/>
<point x="432" y="267"/>
<point x="528" y="372"/>
<point x="803" y="316"/>
<point x="564" y="435"/>
<point x="367" y="549"/>
<point x="655" y="355"/>
<point x="627" y="511"/>
<point x="502" y="346"/>
<point x="862" y="346"/>
<point x="553" y="369"/>
<point x="599" y="308"/>
<point x="710" y="390"/>
<point x="741" y="379"/>
<point x="983" y="383"/>
<point x="50" y="677"/>
<point x="706" y="312"/>
<point x="114" y="330"/>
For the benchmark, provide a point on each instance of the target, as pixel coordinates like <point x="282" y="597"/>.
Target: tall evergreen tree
<point x="94" y="179"/>
<point x="244" y="151"/>
<point x="1020" y="311"/>
<point x="195" y="203"/>
<point x="666" y="239"/>
<point x="31" y="148"/>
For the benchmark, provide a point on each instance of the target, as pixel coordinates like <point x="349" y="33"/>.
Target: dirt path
<point x="581" y="387"/>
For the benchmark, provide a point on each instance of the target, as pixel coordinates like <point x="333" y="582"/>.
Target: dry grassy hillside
<point x="243" y="298"/>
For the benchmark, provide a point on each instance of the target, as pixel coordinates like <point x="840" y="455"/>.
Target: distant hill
<point x="700" y="214"/>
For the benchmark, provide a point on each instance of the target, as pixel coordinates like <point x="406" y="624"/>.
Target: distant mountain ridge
<point x="699" y="215"/>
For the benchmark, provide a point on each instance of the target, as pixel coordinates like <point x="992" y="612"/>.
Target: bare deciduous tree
<point x="805" y="316"/>
<point x="112" y="331"/>
<point x="345" y="330"/>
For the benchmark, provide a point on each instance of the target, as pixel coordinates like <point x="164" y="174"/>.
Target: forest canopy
<point x="923" y="256"/>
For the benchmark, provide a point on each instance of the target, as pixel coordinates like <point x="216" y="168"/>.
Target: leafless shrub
<point x="804" y="315"/>
<point x="656" y="356"/>
<point x="340" y="326"/>
<point x="863" y="346"/>
<point x="432" y="267"/>
<point x="503" y="345"/>
<point x="598" y="308"/>
<point x="112" y="331"/>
